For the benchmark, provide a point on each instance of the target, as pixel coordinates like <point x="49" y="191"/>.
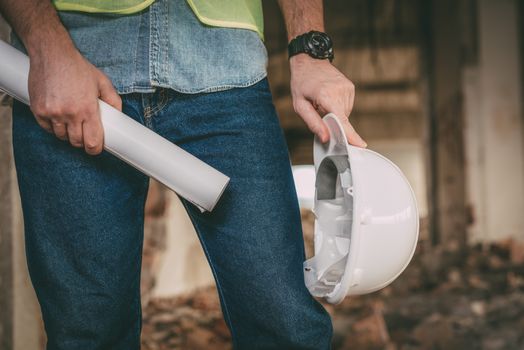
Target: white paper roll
<point x="132" y="142"/>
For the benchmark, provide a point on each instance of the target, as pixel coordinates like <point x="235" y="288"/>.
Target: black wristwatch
<point x="315" y="44"/>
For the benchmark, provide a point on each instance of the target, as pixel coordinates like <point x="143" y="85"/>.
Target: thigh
<point x="83" y="218"/>
<point x="253" y="238"/>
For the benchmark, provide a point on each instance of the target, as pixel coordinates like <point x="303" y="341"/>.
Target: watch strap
<point x="300" y="44"/>
<point x="297" y="45"/>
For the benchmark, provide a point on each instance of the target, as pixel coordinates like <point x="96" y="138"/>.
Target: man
<point x="203" y="87"/>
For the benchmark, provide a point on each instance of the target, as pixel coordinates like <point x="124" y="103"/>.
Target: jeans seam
<point x="136" y="48"/>
<point x="146" y="106"/>
<point x="227" y="316"/>
<point x="153" y="44"/>
<point x="162" y="103"/>
<point x="165" y="40"/>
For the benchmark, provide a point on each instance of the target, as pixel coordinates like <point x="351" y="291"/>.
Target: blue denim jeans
<point x="84" y="220"/>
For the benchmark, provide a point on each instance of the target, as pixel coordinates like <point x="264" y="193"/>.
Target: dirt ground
<point x="446" y="299"/>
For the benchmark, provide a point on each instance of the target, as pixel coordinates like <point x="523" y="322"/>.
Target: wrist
<point x="303" y="59"/>
<point x="292" y="34"/>
<point x="42" y="46"/>
<point x="41" y="38"/>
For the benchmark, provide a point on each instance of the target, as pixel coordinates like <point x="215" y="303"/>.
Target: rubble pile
<point x="448" y="298"/>
<point x="185" y="322"/>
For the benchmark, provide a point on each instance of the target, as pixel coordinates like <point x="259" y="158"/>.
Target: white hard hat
<point x="366" y="219"/>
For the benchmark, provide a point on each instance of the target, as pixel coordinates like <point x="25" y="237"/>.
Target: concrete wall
<point x="494" y="126"/>
<point x="28" y="325"/>
<point x="6" y="235"/>
<point x="444" y="122"/>
<point x="183" y="266"/>
<point x="20" y="314"/>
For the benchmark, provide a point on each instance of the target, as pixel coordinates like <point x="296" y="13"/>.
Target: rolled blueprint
<point x="132" y="142"/>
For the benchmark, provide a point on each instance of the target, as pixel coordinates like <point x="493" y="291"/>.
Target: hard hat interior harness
<point x="334" y="212"/>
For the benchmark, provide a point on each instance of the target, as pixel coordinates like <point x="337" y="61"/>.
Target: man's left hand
<point x="318" y="88"/>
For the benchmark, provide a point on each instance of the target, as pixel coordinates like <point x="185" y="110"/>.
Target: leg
<point x="253" y="238"/>
<point x="83" y="219"/>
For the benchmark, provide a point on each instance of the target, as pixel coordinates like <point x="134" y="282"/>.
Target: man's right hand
<point x="64" y="89"/>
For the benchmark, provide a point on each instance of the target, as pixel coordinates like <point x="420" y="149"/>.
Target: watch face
<point x="319" y="45"/>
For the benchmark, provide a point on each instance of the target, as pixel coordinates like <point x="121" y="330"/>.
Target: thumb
<point x="352" y="136"/>
<point x="108" y="93"/>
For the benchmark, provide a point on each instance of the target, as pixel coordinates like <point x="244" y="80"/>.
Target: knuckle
<point x="103" y="79"/>
<point x="46" y="108"/>
<point x="93" y="149"/>
<point x="324" y="95"/>
<point x="299" y="107"/>
<point x="75" y="138"/>
<point x="44" y="125"/>
<point x="91" y="145"/>
<point x="77" y="112"/>
<point x="90" y="110"/>
<point x="57" y="109"/>
<point x="76" y="144"/>
<point x="73" y="110"/>
<point x="344" y="119"/>
<point x="315" y="128"/>
<point x="59" y="128"/>
<point x="37" y="110"/>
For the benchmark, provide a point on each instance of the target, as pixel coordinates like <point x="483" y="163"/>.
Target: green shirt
<point x="244" y="14"/>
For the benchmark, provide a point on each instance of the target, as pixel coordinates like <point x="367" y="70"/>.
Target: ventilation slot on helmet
<point x="334" y="213"/>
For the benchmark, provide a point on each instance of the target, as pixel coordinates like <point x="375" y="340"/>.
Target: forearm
<point x="37" y="24"/>
<point x="317" y="87"/>
<point x="302" y="16"/>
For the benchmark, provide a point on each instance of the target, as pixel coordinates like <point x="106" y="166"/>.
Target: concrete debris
<point x="447" y="299"/>
<point x="185" y="322"/>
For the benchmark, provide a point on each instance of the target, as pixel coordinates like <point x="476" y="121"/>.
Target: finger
<point x="312" y="119"/>
<point x="108" y="93"/>
<point x="93" y="136"/>
<point x="351" y="101"/>
<point x="74" y="134"/>
<point x="351" y="134"/>
<point x="59" y="129"/>
<point x="337" y="101"/>
<point x="45" y="124"/>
